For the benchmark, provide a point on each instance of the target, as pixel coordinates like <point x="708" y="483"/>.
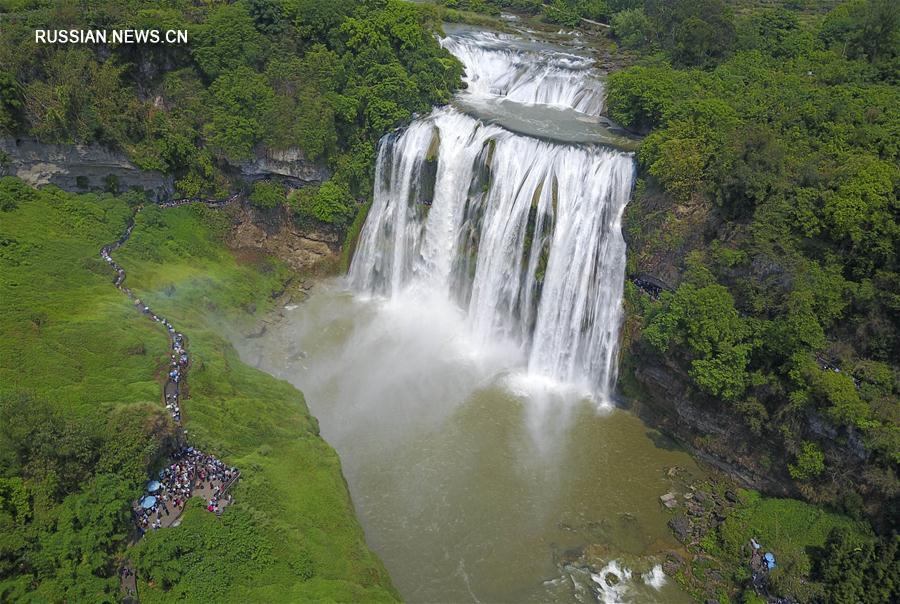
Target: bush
<point x="857" y="568"/>
<point x="562" y="13"/>
<point x="12" y="192"/>
<point x="838" y="391"/>
<point x="267" y="194"/>
<point x="810" y="462"/>
<point x="703" y="322"/>
<point x="329" y="203"/>
<point x="632" y="28"/>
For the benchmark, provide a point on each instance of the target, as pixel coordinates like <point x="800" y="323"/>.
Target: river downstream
<point x="465" y="368"/>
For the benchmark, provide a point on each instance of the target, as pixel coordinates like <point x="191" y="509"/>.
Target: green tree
<point x="774" y="31"/>
<point x="632" y="28"/>
<point x="704" y="322"/>
<point x="562" y="12"/>
<point x="177" y="559"/>
<point x="855" y="568"/>
<point x="227" y="40"/>
<point x="80" y="100"/>
<point x="592" y="9"/>
<point x="641" y="97"/>
<point x="864" y="28"/>
<point x="241" y="103"/>
<point x="839" y="393"/>
<point x="863" y="208"/>
<point x="329" y="203"/>
<point x="694" y="32"/>
<point x="11" y="103"/>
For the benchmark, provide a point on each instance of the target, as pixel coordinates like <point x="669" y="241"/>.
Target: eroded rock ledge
<point x="79" y="168"/>
<point x="308" y="251"/>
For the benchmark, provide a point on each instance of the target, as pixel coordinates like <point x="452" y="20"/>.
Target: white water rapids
<point x="498" y="66"/>
<point x="523" y="234"/>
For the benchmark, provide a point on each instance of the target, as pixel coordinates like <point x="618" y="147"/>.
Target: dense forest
<point x="329" y="78"/>
<point x="775" y="144"/>
<point x="768" y="205"/>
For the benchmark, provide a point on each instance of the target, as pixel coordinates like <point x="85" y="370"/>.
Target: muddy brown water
<point x="472" y="484"/>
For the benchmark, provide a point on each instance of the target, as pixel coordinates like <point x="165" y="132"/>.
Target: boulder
<point x="681" y="527"/>
<point x="669" y="500"/>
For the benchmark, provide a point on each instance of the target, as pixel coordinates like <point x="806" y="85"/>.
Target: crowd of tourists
<point x="179" y="356"/>
<point x="191" y="471"/>
<point x="213" y="203"/>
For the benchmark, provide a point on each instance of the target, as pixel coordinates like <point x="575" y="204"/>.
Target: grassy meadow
<point x="71" y="341"/>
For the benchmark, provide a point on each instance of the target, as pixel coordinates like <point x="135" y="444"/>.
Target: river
<point x="465" y="368"/>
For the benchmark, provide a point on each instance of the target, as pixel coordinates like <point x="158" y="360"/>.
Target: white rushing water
<point x="504" y="66"/>
<point x="523" y="234"/>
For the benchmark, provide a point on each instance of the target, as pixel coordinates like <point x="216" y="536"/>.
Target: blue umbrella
<point x="153" y="486"/>
<point x="148" y="502"/>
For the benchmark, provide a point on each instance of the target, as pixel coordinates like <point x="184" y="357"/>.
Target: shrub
<point x="330" y="203"/>
<point x="266" y="194"/>
<point x="857" y="568"/>
<point x="562" y="13"/>
<point x="703" y="322"/>
<point x="632" y="28"/>
<point x="810" y="462"/>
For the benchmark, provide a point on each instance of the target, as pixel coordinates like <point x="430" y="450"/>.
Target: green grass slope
<point x="68" y="337"/>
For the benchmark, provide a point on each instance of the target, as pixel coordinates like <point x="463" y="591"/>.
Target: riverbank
<point x="71" y="339"/>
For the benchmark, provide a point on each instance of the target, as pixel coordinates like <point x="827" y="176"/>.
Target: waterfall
<point x="522" y="234"/>
<point x="498" y="66"/>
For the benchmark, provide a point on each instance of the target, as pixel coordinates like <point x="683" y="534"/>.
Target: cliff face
<point x="289" y="165"/>
<point x="719" y="436"/>
<point x="754" y="440"/>
<point x="82" y="168"/>
<point x="308" y="251"/>
<point x="79" y="168"/>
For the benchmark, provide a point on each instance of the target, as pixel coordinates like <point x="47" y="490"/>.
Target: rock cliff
<point x="308" y="251"/>
<point x="289" y="165"/>
<point x="79" y="168"/>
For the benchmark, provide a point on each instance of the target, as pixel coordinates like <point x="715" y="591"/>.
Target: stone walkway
<point x="192" y="473"/>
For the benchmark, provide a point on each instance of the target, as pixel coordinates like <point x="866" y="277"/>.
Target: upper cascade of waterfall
<point x="532" y="87"/>
<point x="524" y="71"/>
<point x="524" y="234"/>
